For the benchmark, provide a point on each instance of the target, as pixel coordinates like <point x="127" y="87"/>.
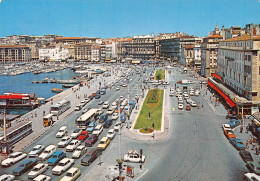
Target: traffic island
<point x="150" y="115"/>
<point x="159" y="75"/>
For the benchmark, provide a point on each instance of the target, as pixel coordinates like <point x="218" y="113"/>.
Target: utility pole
<point x="119" y="160"/>
<point x="4" y="112"/>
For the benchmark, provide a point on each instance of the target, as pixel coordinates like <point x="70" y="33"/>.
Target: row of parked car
<point x="241" y="147"/>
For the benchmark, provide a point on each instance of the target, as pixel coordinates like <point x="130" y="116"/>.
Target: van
<point x="47" y="120"/>
<point x="49" y="150"/>
<point x="98" y="129"/>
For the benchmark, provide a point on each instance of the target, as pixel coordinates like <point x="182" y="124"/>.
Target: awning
<point x="229" y="101"/>
<point x="216" y="76"/>
<point x="256" y="122"/>
<point x="12" y="96"/>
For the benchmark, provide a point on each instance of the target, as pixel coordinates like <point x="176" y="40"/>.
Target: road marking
<point x="84" y="178"/>
<point x="173" y="109"/>
<point x="142" y="175"/>
<point x="78" y="165"/>
<point x="148" y="152"/>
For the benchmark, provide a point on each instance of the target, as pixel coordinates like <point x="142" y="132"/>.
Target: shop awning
<point x="229" y="101"/>
<point x="12" y="96"/>
<point x="216" y="76"/>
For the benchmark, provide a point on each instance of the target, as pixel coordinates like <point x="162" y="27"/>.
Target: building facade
<point x="14" y="53"/>
<point x="83" y="51"/>
<point x="53" y="53"/>
<point x="239" y="65"/>
<point x="209" y="55"/>
<point x="95" y="55"/>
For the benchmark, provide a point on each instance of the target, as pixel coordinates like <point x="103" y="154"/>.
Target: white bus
<point x="60" y="108"/>
<point x="83" y="121"/>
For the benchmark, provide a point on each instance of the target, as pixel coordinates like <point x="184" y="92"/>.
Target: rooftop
<point x="69" y="38"/>
<point x="13" y="46"/>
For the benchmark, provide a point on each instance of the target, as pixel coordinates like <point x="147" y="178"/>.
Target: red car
<point x="83" y="136"/>
<point x="92" y="139"/>
<point x="188" y="107"/>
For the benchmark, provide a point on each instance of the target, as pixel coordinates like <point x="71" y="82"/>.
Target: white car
<point x="37" y="170"/>
<point x="118" y="88"/>
<point x="73" y="145"/>
<point x="180" y="101"/>
<point x="110" y="111"/>
<point x="42" y="178"/>
<point x="64" y="141"/>
<point x="186" y="96"/>
<point x="7" y="177"/>
<point x="226" y="127"/>
<point x="78" y="107"/>
<point x="100" y="111"/>
<point x="111" y="134"/>
<point x="114" y="105"/>
<point x="98" y="129"/>
<point x="134" y="156"/>
<point x="62" y="132"/>
<point x="80" y="150"/>
<point x="193" y="104"/>
<point x="72" y="174"/>
<point x="13" y="158"/>
<point x="189" y="100"/>
<point x="36" y="151"/>
<point x="116" y="127"/>
<point x="180" y="106"/>
<point x="49" y="150"/>
<point x="252" y="177"/>
<point x="115" y="116"/>
<point x="105" y="105"/>
<point x="62" y="166"/>
<point x="192" y="93"/>
<point x="75" y="133"/>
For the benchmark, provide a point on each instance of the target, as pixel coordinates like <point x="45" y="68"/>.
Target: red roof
<point x="12" y="96"/>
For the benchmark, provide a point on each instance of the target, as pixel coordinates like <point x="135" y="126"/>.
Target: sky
<point x="123" y="18"/>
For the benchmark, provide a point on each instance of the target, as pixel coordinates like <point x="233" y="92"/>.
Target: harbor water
<point x="23" y="84"/>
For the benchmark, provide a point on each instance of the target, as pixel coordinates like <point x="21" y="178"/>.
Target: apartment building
<point x="138" y="47"/>
<point x="53" y="52"/>
<point x="239" y="65"/>
<point x="14" y="53"/>
<point x="209" y="55"/>
<point x="83" y="52"/>
<point x="95" y="55"/>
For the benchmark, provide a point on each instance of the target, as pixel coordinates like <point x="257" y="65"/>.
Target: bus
<point x="16" y="133"/>
<point x="83" y="121"/>
<point x="60" y="108"/>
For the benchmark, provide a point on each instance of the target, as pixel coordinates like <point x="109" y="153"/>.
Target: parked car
<point x="193" y="103"/>
<point x="98" y="129"/>
<point x="122" y="118"/>
<point x="56" y="157"/>
<point x="100" y="102"/>
<point x="72" y="174"/>
<point x="83" y="136"/>
<point x="117" y="88"/>
<point x="62" y="166"/>
<point x="92" y="139"/>
<point x="253" y="167"/>
<point x="64" y="141"/>
<point x="37" y="170"/>
<point x="105" y="105"/>
<point x="108" y="123"/>
<point x="36" y="151"/>
<point x="49" y="150"/>
<point x="80" y="150"/>
<point x="62" y="132"/>
<point x="233" y="123"/>
<point x="7" y="177"/>
<point x="103" y="118"/>
<point x="104" y="142"/>
<point x="97" y="96"/>
<point x="110" y="111"/>
<point x="115" y="116"/>
<point x="246" y="156"/>
<point x="237" y="143"/>
<point x="114" y="105"/>
<point x="117" y="126"/>
<point x="134" y="156"/>
<point x="111" y="134"/>
<point x="226" y="127"/>
<point x="90" y="156"/>
<point x="78" y="107"/>
<point x="24" y="166"/>
<point x="229" y="134"/>
<point x="72" y="145"/>
<point x="188" y="108"/>
<point x="13" y="158"/>
<point x="91" y="127"/>
<point x="180" y="106"/>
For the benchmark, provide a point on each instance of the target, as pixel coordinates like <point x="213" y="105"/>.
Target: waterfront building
<point x="14" y="53"/>
<point x="83" y="51"/>
<point x="34" y="47"/>
<point x="95" y="55"/>
<point x="209" y="54"/>
<point x="53" y="52"/>
<point x="239" y="65"/>
<point x="138" y="47"/>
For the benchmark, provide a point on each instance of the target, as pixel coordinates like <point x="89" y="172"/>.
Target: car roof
<point x="72" y="170"/>
<point x="38" y="146"/>
<point x="15" y="153"/>
<point x="81" y="146"/>
<point x="39" y="165"/>
<point x="58" y="152"/>
<point x="64" y="160"/>
<point x="92" y="150"/>
<point x="27" y="161"/>
<point x="104" y="138"/>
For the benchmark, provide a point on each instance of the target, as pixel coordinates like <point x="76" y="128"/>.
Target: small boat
<point x="67" y="85"/>
<point x="56" y="90"/>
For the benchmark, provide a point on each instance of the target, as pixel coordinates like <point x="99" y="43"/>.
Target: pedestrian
<point x="251" y="139"/>
<point x="247" y="145"/>
<point x="256" y="151"/>
<point x="241" y="129"/>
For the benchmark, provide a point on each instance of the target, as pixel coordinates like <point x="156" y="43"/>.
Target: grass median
<point x="153" y="103"/>
<point x="159" y="75"/>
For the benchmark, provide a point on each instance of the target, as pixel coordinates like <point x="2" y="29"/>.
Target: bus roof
<point x="87" y="114"/>
<point x="48" y="116"/>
